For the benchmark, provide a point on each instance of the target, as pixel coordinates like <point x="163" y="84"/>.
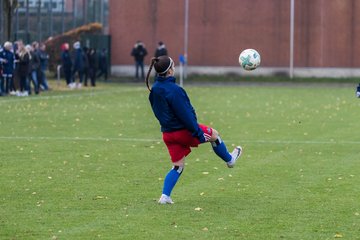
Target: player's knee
<point x="180" y="163"/>
<point x="214" y="135"/>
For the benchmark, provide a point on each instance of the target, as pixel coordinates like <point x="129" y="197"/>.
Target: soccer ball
<point x="249" y="59"/>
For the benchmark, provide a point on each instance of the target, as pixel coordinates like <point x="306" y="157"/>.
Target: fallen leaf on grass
<point x="338" y="235"/>
<point x="99" y="197"/>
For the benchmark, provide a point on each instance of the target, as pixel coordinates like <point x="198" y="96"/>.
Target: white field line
<point x="122" y="139"/>
<point x="70" y="95"/>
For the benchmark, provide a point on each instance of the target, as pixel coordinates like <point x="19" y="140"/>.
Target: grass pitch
<point x="90" y="163"/>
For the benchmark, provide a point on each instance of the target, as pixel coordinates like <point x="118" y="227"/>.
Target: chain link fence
<point x="39" y="20"/>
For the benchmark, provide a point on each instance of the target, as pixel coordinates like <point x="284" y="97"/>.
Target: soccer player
<point x="179" y="125"/>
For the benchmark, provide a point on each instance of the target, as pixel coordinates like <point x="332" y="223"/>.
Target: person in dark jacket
<point x="7" y="58"/>
<point x="86" y="64"/>
<point x="44" y="59"/>
<point x="103" y="64"/>
<point x="161" y="50"/>
<point x="23" y="68"/>
<point x="34" y="67"/>
<point x="1" y="71"/>
<point x="139" y="52"/>
<point x="93" y="65"/>
<point x="67" y="65"/>
<point x="180" y="129"/>
<point x="79" y="63"/>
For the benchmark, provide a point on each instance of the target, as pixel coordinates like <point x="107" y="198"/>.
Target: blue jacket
<point x="172" y="107"/>
<point x="9" y="57"/>
<point x="66" y="60"/>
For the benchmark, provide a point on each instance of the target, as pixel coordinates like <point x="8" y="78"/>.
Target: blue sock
<point x="221" y="150"/>
<point x="171" y="179"/>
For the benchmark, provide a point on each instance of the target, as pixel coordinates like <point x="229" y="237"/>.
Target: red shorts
<point x="179" y="143"/>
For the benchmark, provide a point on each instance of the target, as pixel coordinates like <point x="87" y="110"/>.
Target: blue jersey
<point x="171" y="106"/>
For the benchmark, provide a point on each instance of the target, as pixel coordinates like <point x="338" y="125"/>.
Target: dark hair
<point x="161" y="64"/>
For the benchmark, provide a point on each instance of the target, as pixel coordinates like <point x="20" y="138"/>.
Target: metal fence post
<point x="62" y="17"/>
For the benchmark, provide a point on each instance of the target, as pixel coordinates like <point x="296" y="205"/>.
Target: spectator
<point x="16" y="77"/>
<point x="79" y="63"/>
<point x="23" y="68"/>
<point x="44" y="58"/>
<point x="139" y="52"/>
<point x="161" y="50"/>
<point x="103" y="64"/>
<point x="92" y="66"/>
<point x="7" y="58"/>
<point x="67" y="65"/>
<point x="86" y="64"/>
<point x="34" y="68"/>
<point x="1" y="71"/>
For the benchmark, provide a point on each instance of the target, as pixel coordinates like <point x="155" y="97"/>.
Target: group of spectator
<point x="139" y="52"/>
<point x="22" y="68"/>
<point x="81" y="64"/>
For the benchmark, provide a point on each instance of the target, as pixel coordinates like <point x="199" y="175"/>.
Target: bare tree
<point x="8" y="10"/>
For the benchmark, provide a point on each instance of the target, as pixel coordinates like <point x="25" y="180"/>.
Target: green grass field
<point x="90" y="163"/>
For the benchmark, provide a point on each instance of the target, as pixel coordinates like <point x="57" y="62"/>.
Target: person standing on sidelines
<point x="7" y="58"/>
<point x="161" y="50"/>
<point x="79" y="63"/>
<point x="2" y="61"/>
<point x="34" y="68"/>
<point x="139" y="52"/>
<point x="103" y="64"/>
<point x="23" y="69"/>
<point x="44" y="59"/>
<point x="180" y="129"/>
<point x="67" y="65"/>
<point x="1" y="71"/>
<point x="93" y="63"/>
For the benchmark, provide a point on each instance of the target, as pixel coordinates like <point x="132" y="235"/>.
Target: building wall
<point x="327" y="32"/>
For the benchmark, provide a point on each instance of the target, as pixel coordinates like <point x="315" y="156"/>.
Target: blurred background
<point x="294" y="37"/>
<point x="37" y="20"/>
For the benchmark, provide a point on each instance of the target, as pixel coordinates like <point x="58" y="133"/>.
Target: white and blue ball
<point x="249" y="59"/>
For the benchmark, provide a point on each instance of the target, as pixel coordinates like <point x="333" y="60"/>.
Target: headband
<point x="171" y="63"/>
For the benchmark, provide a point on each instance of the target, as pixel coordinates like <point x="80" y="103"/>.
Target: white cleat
<point x="234" y="156"/>
<point x="165" y="200"/>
